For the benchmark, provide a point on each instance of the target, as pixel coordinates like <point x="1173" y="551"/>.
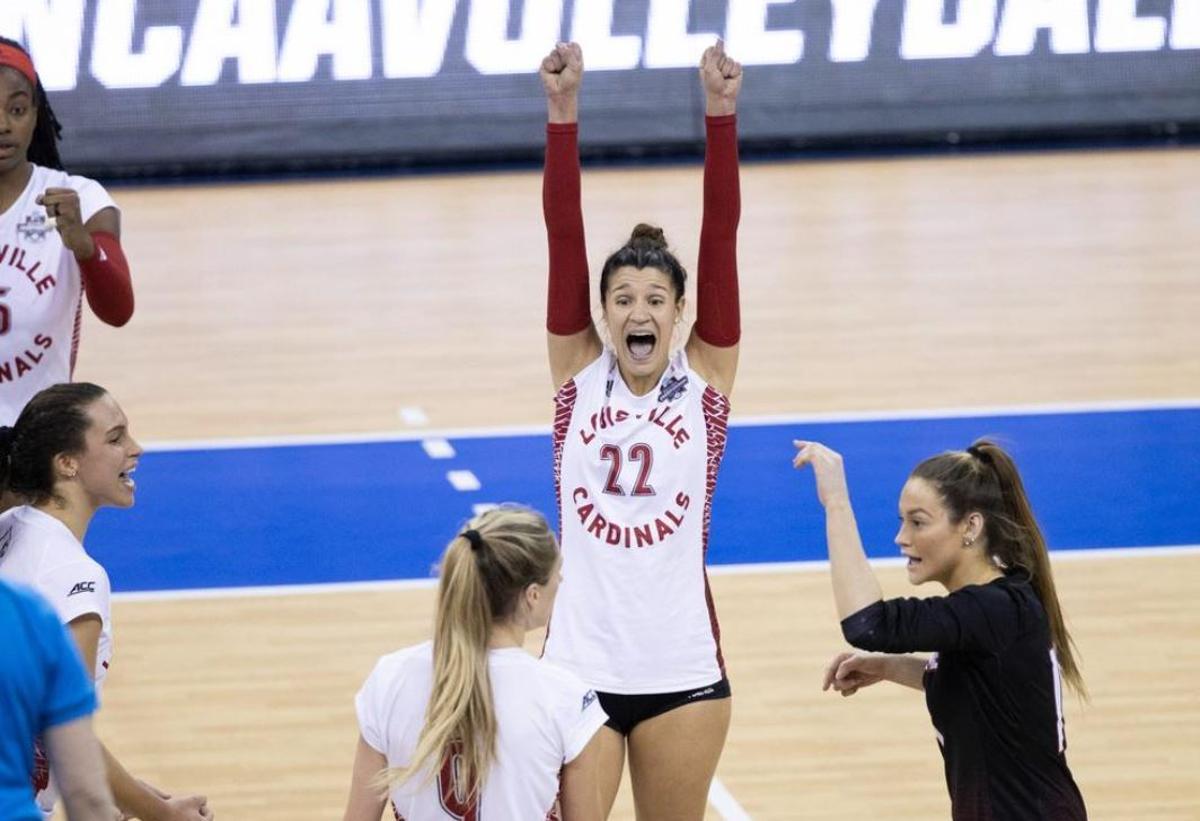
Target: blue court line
<point x="362" y="511"/>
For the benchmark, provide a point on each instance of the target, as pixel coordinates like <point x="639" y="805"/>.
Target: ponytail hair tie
<point x="474" y="538"/>
<point x="981" y="455"/>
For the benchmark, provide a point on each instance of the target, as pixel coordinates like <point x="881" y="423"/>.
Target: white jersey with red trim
<point x="41" y="552"/>
<point x="40" y="291"/>
<point x="635" y="478"/>
<point x="545" y="717"/>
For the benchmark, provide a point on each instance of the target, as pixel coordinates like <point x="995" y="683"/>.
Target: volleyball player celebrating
<point x="1000" y="646"/>
<point x="470" y="725"/>
<point x="59" y="237"/>
<point x="69" y="454"/>
<point x="639" y="434"/>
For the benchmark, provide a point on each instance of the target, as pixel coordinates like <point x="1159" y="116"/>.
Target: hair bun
<point x="647" y="236"/>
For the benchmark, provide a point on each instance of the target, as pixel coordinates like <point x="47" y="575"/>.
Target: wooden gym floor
<point x="889" y="284"/>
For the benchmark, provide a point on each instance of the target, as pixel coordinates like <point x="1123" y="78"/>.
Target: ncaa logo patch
<point x="34" y="227"/>
<point x="673" y="388"/>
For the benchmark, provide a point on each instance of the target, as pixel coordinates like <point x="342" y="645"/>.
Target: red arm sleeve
<point x="718" y="316"/>
<point x="106" y="280"/>
<point x="567" y="308"/>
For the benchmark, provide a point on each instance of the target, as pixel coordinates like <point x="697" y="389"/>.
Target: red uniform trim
<point x="716" y="423"/>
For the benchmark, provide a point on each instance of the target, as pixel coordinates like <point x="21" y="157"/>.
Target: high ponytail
<point x="984" y="478"/>
<point x="484" y="572"/>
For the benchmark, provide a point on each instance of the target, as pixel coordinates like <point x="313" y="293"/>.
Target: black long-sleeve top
<point x="994" y="693"/>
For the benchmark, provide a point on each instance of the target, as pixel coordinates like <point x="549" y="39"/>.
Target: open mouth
<point x="126" y="477"/>
<point x="641" y="346"/>
<point x="913" y="561"/>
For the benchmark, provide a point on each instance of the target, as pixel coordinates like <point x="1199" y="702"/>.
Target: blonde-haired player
<point x="639" y="433"/>
<point x="470" y="725"/>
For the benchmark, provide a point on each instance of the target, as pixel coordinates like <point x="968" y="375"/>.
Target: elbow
<point x="116" y="319"/>
<point x="870" y="640"/>
<point x="114" y="312"/>
<point x="864" y="629"/>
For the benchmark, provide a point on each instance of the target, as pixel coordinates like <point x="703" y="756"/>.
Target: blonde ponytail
<point x="484" y="571"/>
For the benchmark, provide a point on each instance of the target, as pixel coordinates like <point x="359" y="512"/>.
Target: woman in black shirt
<point x="1000" y="648"/>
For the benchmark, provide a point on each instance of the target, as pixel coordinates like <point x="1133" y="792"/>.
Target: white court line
<point x="413" y="416"/>
<point x="724" y="803"/>
<point x="483" y="507"/>
<point x="463" y="480"/>
<point x="438" y="449"/>
<point x="737" y="421"/>
<point x="713" y="570"/>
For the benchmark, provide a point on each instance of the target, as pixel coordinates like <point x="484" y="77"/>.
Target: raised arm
<point x="854" y="584"/>
<point x="572" y="339"/>
<point x="713" y="345"/>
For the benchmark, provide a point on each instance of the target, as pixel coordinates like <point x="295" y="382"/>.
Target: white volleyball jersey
<point x="545" y="717"/>
<point x="635" y="478"/>
<point x="40" y="291"/>
<point x="41" y="552"/>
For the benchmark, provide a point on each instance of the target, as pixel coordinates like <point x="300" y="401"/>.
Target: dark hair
<point x="43" y="149"/>
<point x="55" y="421"/>
<point x="984" y="479"/>
<point x="646" y="248"/>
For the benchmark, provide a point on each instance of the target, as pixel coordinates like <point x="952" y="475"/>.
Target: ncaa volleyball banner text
<point x="161" y="84"/>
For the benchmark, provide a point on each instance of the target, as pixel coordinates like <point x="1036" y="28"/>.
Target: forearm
<point x="106" y="279"/>
<point x="79" y="770"/>
<point x="718" y="314"/>
<point x="132" y="796"/>
<point x="854" y="582"/>
<point x="567" y="308"/>
<point x="906" y="670"/>
<point x="563" y="108"/>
